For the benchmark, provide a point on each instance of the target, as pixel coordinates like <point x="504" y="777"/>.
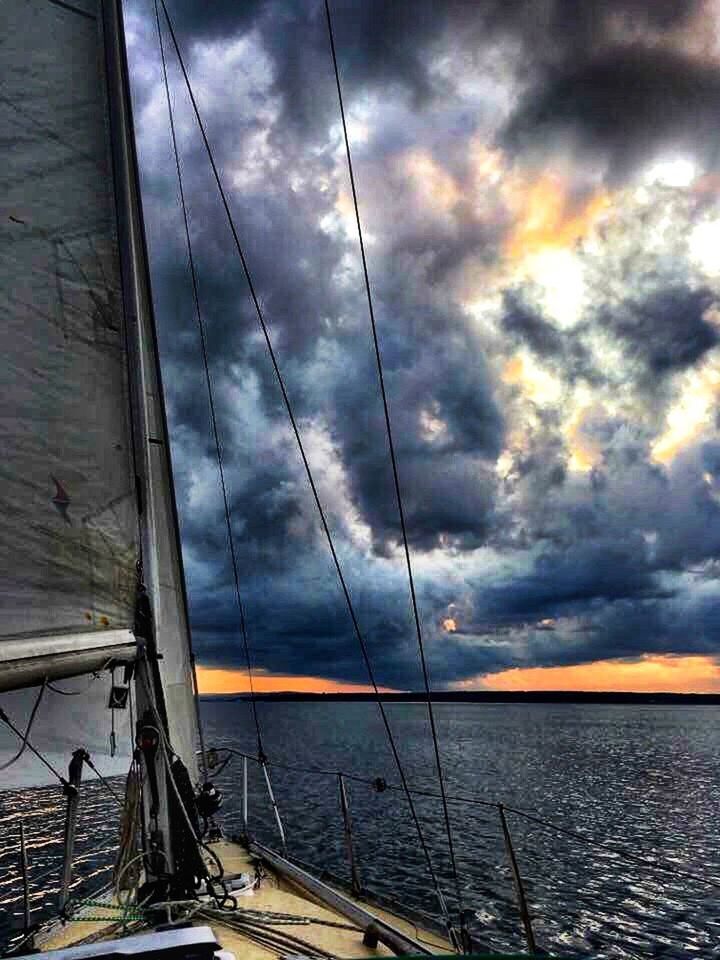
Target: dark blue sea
<point x="642" y="782"/>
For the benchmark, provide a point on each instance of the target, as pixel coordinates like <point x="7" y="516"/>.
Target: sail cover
<point x="68" y="519"/>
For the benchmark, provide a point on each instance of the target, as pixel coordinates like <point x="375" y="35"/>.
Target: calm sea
<point x="641" y="780"/>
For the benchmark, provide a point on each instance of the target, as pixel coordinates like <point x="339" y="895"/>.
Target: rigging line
<point x="166" y="751"/>
<point x="306" y="464"/>
<point x="636" y="858"/>
<point x="24" y="743"/>
<point x="200" y="846"/>
<point x="6" y="720"/>
<point x="358" y="778"/>
<point x="213" y="419"/>
<point x="104" y="782"/>
<point x="393" y="460"/>
<point x="476" y="801"/>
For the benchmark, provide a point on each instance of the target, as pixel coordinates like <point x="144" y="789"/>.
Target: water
<point x="642" y="778"/>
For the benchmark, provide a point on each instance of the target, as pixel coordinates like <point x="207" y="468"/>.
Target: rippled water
<point x="643" y="778"/>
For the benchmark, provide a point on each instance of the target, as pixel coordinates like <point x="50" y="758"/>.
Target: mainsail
<point x="85" y="481"/>
<point x="68" y="523"/>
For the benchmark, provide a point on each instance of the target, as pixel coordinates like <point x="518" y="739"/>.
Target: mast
<point x="165" y="680"/>
<point x="162" y="570"/>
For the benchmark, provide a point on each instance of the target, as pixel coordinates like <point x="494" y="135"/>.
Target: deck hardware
<point x="371" y="937"/>
<point x="24" y="872"/>
<point x="73" y="801"/>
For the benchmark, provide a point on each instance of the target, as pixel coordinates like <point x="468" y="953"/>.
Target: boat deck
<point x="318" y="927"/>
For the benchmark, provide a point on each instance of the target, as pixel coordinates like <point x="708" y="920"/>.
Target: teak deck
<point x="276" y="894"/>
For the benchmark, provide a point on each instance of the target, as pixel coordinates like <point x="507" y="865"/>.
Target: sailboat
<point x="94" y="613"/>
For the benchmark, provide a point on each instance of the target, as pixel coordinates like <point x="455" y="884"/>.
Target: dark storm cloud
<point x="595" y="550"/>
<point x="663" y="331"/>
<point x="599" y="570"/>
<point x="446" y="427"/>
<point x="526" y="324"/>
<point x="667" y="330"/>
<point x="384" y="43"/>
<point x="625" y="107"/>
<point x="565" y="351"/>
<point x="298" y="622"/>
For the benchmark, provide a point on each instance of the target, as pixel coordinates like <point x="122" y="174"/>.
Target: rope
<point x="104" y="782"/>
<point x="135" y="913"/>
<point x="393" y="460"/>
<point x="129" y="823"/>
<point x="277" y="940"/>
<point x="273" y="917"/>
<point x="26" y="743"/>
<point x="306" y="464"/>
<point x="211" y="400"/>
<point x="358" y="778"/>
<point x="70" y="693"/>
<point x="23" y="745"/>
<point x="210" y="881"/>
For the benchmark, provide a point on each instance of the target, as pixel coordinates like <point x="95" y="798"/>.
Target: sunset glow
<point x="217" y="680"/>
<point x="650" y="674"/>
<point x="547" y="217"/>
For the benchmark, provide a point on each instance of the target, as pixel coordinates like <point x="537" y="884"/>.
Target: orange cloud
<point x="546" y="216"/>
<point x="536" y="383"/>
<point x="433" y="183"/>
<point x="650" y="674"/>
<point x="692" y="412"/>
<point x="218" y="680"/>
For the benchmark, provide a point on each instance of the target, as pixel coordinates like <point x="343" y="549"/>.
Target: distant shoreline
<point x="484" y="696"/>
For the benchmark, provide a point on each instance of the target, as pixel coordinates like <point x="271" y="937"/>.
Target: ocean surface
<point x="639" y="781"/>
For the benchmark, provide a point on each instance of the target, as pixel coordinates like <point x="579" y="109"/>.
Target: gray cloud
<point x="625" y="107"/>
<point x="601" y="554"/>
<point x="667" y="330"/>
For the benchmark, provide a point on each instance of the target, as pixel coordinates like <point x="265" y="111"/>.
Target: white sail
<point x="68" y="523"/>
<point x="85" y="482"/>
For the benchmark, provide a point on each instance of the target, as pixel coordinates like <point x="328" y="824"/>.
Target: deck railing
<point x="501" y="814"/>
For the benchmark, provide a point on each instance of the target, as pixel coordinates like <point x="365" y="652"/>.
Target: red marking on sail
<point x="61" y="499"/>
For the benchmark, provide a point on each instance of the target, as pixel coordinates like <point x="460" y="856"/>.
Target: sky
<point x="539" y="190"/>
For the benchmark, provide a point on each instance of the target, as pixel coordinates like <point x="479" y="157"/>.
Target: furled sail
<point x="85" y="482"/>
